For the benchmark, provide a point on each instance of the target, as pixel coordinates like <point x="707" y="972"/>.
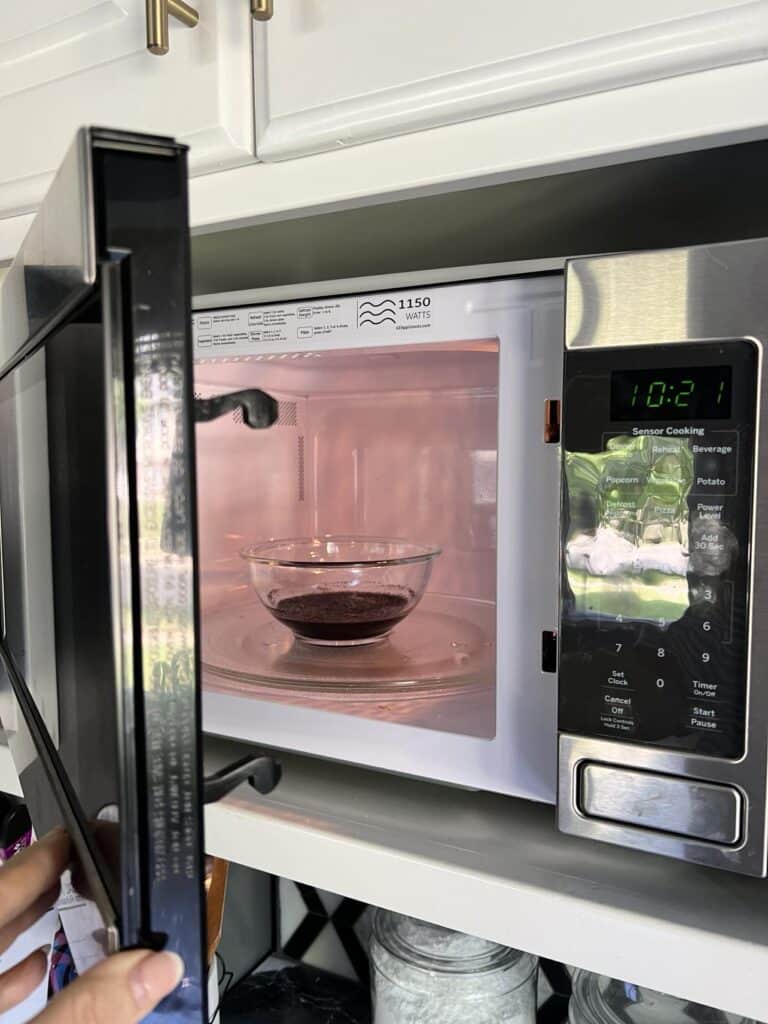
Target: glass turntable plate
<point x="445" y="646"/>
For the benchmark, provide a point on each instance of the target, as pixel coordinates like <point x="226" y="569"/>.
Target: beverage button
<point x="715" y="466"/>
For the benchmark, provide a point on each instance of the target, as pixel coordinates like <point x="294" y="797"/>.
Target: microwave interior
<point x="428" y="431"/>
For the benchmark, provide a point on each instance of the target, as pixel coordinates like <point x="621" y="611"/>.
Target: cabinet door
<point x="342" y="72"/>
<point x="66" y="63"/>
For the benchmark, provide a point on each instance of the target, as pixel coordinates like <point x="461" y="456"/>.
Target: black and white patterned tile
<point x="329" y="932"/>
<point x="323" y="929"/>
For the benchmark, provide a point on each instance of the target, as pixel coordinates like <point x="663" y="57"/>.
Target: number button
<point x="711" y="610"/>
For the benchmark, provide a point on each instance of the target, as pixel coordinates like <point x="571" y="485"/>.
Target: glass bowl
<point x="340" y="591"/>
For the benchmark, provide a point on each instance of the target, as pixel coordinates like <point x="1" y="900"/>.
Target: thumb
<point x="122" y="989"/>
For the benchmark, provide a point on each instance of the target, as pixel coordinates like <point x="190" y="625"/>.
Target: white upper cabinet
<point x="334" y="73"/>
<point x="66" y="63"/>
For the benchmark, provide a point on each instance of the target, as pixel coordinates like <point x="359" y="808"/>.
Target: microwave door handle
<point x="262" y="772"/>
<point x="259" y="411"/>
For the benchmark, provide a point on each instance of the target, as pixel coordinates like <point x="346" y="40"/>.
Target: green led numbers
<point x="686" y="390"/>
<point x="655" y="397"/>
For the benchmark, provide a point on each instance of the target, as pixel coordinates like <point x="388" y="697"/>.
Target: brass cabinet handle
<point x="158" y="12"/>
<point x="262" y="10"/>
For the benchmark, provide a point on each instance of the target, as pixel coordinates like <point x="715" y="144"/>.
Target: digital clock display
<point x="684" y="393"/>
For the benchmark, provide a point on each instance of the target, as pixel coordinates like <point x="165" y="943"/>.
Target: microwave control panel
<point x="658" y="459"/>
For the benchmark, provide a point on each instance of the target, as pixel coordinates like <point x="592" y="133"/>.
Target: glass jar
<point x="425" y="974"/>
<point x="597" y="999"/>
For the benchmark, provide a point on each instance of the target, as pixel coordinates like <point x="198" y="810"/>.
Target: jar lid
<point x="598" y="999"/>
<point x="439" y="949"/>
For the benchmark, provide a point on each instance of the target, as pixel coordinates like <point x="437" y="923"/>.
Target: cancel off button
<point x="616" y="713"/>
<point x="622" y="703"/>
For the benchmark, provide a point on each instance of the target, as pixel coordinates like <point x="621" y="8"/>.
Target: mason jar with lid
<point x="425" y="974"/>
<point x="598" y="999"/>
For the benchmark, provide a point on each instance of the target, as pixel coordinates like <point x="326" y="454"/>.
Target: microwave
<point x="499" y="527"/>
<point x="409" y="420"/>
<point x="585" y="636"/>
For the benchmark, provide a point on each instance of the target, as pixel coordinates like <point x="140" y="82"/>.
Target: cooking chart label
<point x="389" y="317"/>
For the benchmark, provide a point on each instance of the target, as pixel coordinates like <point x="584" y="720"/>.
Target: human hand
<point x="121" y="990"/>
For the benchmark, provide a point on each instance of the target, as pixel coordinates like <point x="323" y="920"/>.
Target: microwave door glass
<point x="98" y="679"/>
<point x="57" y="627"/>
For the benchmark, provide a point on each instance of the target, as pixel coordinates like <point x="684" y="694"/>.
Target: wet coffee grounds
<point x="343" y="614"/>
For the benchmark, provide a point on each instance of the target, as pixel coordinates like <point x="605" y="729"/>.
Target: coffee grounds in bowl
<point x="339" y="615"/>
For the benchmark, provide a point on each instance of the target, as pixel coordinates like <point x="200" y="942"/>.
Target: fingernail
<point x="154" y="977"/>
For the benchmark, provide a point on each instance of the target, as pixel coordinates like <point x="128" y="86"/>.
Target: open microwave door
<point x="98" y="601"/>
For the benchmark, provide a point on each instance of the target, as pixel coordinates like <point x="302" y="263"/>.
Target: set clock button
<point x="618" y="678"/>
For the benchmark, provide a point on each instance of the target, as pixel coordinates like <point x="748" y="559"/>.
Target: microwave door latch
<point x="259" y="770"/>
<point x="258" y="408"/>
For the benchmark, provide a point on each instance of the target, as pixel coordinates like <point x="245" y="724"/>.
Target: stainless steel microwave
<point x="427" y="409"/>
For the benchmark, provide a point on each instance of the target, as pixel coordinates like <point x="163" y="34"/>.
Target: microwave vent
<point x="287" y="414"/>
<point x="300" y="468"/>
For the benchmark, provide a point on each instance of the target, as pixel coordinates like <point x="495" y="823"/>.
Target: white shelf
<point x="497" y="867"/>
